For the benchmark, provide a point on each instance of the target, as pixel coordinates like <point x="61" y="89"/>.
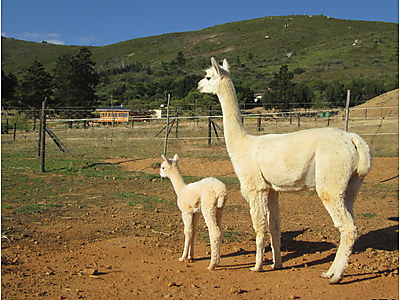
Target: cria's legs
<point x="258" y="212"/>
<point x="188" y="231"/>
<point x="343" y="220"/>
<point x="210" y="216"/>
<point x="219" y="217"/>
<point x="195" y="222"/>
<point x="274" y="228"/>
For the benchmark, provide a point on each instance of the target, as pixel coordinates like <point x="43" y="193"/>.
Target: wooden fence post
<point x="209" y="126"/>
<point x="347" y="109"/>
<point x="15" y="130"/>
<point x="209" y="130"/>
<point x="167" y="127"/>
<point x="176" y="123"/>
<point x="42" y="138"/>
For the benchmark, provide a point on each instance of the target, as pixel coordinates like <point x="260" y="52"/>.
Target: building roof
<point x="115" y="108"/>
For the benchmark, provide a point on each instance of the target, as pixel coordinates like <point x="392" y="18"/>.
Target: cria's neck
<point x="177" y="181"/>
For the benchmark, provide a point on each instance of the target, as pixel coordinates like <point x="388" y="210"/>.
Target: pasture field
<point x="101" y="224"/>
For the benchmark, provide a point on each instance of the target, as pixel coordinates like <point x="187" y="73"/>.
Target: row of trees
<point x="284" y="94"/>
<point x="72" y="83"/>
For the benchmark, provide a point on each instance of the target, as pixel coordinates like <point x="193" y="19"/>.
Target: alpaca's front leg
<point x="188" y="231"/>
<point x="258" y="217"/>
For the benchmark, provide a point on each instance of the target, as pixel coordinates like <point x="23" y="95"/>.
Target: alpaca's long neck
<point x="177" y="180"/>
<point x="233" y="128"/>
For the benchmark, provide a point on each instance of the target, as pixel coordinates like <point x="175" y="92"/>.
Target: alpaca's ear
<point x="215" y="65"/>
<point x="225" y="65"/>
<point x="163" y="157"/>
<point x="176" y="158"/>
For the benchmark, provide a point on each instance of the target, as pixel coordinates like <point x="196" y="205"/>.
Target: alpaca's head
<point x="210" y="83"/>
<point x="169" y="165"/>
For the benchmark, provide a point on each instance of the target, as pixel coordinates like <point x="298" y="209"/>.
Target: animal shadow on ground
<point x="381" y="239"/>
<point x="293" y="248"/>
<point x="298" y="248"/>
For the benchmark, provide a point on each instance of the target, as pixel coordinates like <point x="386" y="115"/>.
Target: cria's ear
<point x="176" y="158"/>
<point x="225" y="65"/>
<point x="215" y="65"/>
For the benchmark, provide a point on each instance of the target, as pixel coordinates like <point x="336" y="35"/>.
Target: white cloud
<point x="48" y="37"/>
<point x="56" y="42"/>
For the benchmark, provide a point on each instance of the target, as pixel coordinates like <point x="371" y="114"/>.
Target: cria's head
<point x="210" y="83"/>
<point x="168" y="164"/>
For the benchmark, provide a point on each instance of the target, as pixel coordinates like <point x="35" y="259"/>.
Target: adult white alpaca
<point x="330" y="160"/>
<point x="206" y="196"/>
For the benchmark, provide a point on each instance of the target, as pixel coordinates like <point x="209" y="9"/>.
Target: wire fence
<point x="379" y="126"/>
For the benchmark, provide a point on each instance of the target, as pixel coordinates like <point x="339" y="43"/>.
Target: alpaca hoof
<point x="211" y="267"/>
<point x="335" y="280"/>
<point x="276" y="266"/>
<point x="182" y="259"/>
<point x="256" y="269"/>
<point x="326" y="275"/>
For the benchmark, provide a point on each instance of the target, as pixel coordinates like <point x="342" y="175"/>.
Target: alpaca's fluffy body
<point x="207" y="193"/>
<point x="330" y="160"/>
<point x="300" y="160"/>
<point x="206" y="196"/>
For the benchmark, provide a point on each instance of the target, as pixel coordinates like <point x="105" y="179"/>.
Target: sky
<point x="100" y="22"/>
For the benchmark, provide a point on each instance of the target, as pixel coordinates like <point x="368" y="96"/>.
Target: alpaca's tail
<point x="364" y="155"/>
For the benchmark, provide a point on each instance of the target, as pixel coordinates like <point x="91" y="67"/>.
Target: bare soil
<point x="120" y="251"/>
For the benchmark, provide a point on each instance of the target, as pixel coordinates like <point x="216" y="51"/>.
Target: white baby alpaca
<point x="206" y="196"/>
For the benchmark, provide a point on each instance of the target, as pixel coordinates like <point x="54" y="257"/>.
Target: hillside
<point x="387" y="99"/>
<point x="385" y="105"/>
<point x="314" y="48"/>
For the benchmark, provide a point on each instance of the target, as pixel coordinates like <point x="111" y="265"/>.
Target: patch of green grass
<point x="231" y="236"/>
<point x="380" y="190"/>
<point x="148" y="201"/>
<point x="367" y="215"/>
<point x="36" y="208"/>
<point x="155" y="165"/>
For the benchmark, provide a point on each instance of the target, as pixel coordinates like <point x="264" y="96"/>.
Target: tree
<point x="302" y="95"/>
<point x="281" y="89"/>
<point x="9" y="84"/>
<point x="35" y="86"/>
<point x="245" y="96"/>
<point x="336" y="94"/>
<point x="75" y="81"/>
<point x="180" y="59"/>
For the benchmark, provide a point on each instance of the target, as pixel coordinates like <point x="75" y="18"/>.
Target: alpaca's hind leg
<point x="344" y="221"/>
<point x="214" y="231"/>
<point x="219" y="217"/>
<point x="188" y="231"/>
<point x="258" y="212"/>
<point x="274" y="228"/>
<point x="195" y="222"/>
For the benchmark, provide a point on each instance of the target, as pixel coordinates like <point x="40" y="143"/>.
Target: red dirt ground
<point x="130" y="252"/>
